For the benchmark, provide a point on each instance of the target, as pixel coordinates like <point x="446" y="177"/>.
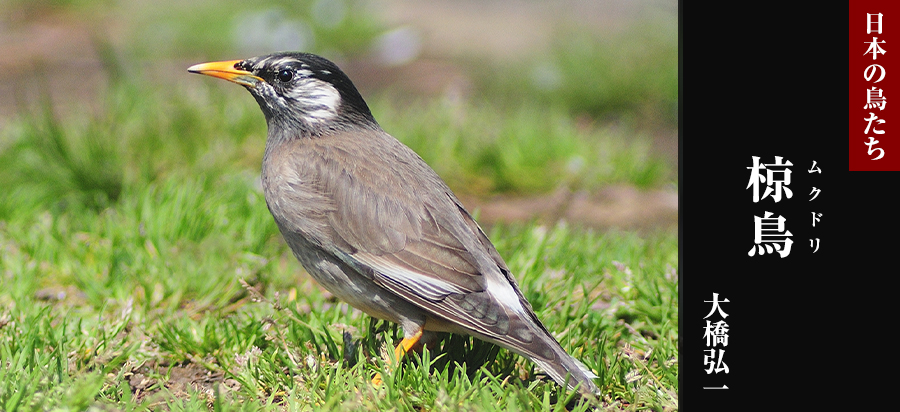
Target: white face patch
<point x="304" y="97"/>
<point x="316" y="100"/>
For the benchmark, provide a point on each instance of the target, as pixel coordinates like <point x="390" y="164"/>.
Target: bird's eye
<point x="285" y="75"/>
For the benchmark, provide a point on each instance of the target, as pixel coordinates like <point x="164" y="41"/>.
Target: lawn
<point x="141" y="270"/>
<point x="139" y="306"/>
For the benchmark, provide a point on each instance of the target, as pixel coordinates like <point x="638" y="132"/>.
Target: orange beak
<point x="226" y="70"/>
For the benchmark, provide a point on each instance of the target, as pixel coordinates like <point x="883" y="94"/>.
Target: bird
<point x="376" y="226"/>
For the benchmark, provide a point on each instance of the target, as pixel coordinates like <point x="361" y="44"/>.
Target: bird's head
<point x="297" y="91"/>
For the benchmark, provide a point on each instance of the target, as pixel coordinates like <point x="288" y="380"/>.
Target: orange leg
<point x="405" y="345"/>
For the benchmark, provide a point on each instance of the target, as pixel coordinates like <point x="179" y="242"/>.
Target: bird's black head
<point x="297" y="91"/>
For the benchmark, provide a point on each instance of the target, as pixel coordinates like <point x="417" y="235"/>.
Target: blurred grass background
<point x="130" y="203"/>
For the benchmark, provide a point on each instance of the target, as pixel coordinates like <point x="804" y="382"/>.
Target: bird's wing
<point x="399" y="224"/>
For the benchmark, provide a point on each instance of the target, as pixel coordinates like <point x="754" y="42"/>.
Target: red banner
<point x="874" y="79"/>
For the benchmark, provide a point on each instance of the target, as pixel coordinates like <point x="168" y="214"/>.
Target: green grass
<point x="480" y="148"/>
<point x="146" y="133"/>
<point x="151" y="287"/>
<point x="630" y="76"/>
<point x="141" y="270"/>
<point x="125" y="234"/>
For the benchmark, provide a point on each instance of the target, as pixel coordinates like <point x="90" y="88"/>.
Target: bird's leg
<point x="405" y="345"/>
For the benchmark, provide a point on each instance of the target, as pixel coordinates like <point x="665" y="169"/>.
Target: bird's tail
<point x="564" y="369"/>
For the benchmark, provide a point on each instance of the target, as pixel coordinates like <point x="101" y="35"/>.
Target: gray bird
<point x="374" y="224"/>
